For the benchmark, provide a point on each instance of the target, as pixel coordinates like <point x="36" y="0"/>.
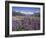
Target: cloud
<point x="37" y="11"/>
<point x="27" y="12"/>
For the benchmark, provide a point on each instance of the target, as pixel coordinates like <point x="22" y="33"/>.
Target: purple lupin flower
<point x="35" y="24"/>
<point x="26" y="23"/>
<point x="15" y="25"/>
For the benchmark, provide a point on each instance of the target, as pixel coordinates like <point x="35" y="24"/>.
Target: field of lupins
<point x="25" y="23"/>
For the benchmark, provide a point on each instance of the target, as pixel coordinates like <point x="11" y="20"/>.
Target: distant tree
<point x="37" y="14"/>
<point x="13" y="13"/>
<point x="17" y="13"/>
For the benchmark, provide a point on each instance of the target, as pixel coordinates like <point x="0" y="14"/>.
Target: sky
<point x="26" y="10"/>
